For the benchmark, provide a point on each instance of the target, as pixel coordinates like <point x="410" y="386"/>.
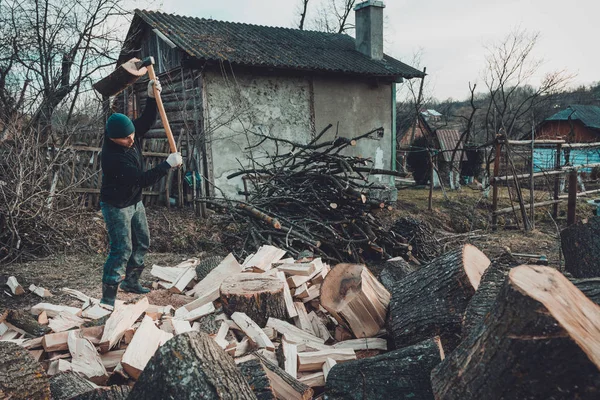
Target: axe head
<point x="125" y="75"/>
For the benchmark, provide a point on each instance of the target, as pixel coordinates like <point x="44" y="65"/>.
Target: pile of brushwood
<point x="316" y="197"/>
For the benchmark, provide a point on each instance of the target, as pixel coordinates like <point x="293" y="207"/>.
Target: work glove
<point x="151" y="90"/>
<point x="175" y="160"/>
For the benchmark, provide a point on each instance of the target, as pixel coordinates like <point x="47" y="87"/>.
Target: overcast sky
<point x="450" y="35"/>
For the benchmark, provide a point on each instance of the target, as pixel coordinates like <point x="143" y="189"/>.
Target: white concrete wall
<point x="238" y="106"/>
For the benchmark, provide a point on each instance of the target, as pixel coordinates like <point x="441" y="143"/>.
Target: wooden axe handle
<point x="161" y="110"/>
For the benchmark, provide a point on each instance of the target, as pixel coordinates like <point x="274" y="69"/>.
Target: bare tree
<point x="303" y="10"/>
<point x="332" y="16"/>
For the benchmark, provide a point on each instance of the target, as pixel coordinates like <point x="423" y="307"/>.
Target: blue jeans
<point x="129" y="240"/>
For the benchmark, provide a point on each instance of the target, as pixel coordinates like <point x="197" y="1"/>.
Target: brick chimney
<point x="369" y="28"/>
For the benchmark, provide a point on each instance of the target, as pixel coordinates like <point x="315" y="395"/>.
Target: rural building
<point x="225" y="82"/>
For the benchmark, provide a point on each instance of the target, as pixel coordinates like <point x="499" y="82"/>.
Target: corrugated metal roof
<point x="588" y="115"/>
<point x="448" y="139"/>
<point x="257" y="45"/>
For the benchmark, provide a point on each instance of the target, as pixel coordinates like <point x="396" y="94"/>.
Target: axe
<point x="125" y="75"/>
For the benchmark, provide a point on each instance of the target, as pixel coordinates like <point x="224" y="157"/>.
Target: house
<point x="225" y="82"/>
<point x="576" y="123"/>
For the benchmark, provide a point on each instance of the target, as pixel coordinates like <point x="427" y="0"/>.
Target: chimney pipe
<point x="369" y="28"/>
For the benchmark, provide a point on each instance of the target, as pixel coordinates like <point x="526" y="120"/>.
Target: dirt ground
<point x="458" y="217"/>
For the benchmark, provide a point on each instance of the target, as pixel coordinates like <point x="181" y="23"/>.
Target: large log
<point x="21" y="377"/>
<point x="489" y="287"/>
<point x="354" y="297"/>
<point x="581" y="248"/>
<point x="258" y="296"/>
<point x="105" y="393"/>
<point x="27" y="322"/>
<point x="541" y="340"/>
<point x="193" y="358"/>
<point x="431" y="301"/>
<point x="66" y="385"/>
<point x="399" y="374"/>
<point x="394" y="270"/>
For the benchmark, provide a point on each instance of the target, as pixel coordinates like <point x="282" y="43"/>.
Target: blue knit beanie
<point x="119" y="126"/>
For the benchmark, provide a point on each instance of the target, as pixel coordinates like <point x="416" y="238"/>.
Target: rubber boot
<point x="131" y="283"/>
<point x="109" y="294"/>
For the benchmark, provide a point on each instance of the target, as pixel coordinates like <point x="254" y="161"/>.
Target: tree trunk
<point x="27" y="322"/>
<point x="431" y="301"/>
<point x="105" y="393"/>
<point x="355" y="298"/>
<point x="399" y="374"/>
<point x="489" y="287"/>
<point x="66" y="385"/>
<point x="541" y="340"/>
<point x="590" y="287"/>
<point x="581" y="248"/>
<point x="257" y="296"/>
<point x="197" y="360"/>
<point x="395" y="270"/>
<point x="21" y="377"/>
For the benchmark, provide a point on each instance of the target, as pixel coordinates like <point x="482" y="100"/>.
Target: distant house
<point x="431" y="115"/>
<point x="576" y="123"/>
<point x="224" y="81"/>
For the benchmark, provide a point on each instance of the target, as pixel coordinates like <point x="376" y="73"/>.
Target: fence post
<point x="556" y="180"/>
<point x="572" y="203"/>
<point x="495" y="185"/>
<point x="532" y="184"/>
<point x="431" y="171"/>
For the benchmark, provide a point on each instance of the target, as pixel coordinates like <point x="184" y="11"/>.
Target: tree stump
<point x="355" y="298"/>
<point x="197" y="360"/>
<point x="105" y="393"/>
<point x="256" y="295"/>
<point x="489" y="287"/>
<point x="21" y="377"/>
<point x="66" y="385"/>
<point x="399" y="374"/>
<point x="581" y="248"/>
<point x="541" y="340"/>
<point x="431" y="301"/>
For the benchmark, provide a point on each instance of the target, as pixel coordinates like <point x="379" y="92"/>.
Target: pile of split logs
<point x="314" y="197"/>
<point x="462" y="327"/>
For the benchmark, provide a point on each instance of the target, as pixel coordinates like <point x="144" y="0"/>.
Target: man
<point x="123" y="178"/>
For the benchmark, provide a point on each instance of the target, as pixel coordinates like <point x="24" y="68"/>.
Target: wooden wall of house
<point x="563" y="129"/>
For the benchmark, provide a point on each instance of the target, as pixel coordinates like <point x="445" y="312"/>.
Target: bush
<point x="418" y="162"/>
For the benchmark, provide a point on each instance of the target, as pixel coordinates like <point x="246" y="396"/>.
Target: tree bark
<point x="399" y="374"/>
<point x="196" y="359"/>
<point x="257" y="296"/>
<point x="27" y="322"/>
<point x="206" y="265"/>
<point x="66" y="385"/>
<point x="256" y="377"/>
<point x="431" y="301"/>
<point x="394" y="271"/>
<point x="581" y="248"/>
<point x="21" y="377"/>
<point x="489" y="287"/>
<point x="105" y="393"/>
<point x="590" y="287"/>
<point x="541" y="340"/>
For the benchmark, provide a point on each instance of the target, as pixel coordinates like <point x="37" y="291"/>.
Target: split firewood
<point x="40" y="291"/>
<point x="119" y="321"/>
<point x="105" y="393"/>
<point x="287" y="296"/>
<point x="26" y="322"/>
<point x="258" y="296"/>
<point x="222" y="334"/>
<point x="185" y="277"/>
<point x="209" y="286"/>
<point x="166" y="274"/>
<point x="37" y="354"/>
<point x="180" y="326"/>
<point x="329" y="363"/>
<point x="319" y="327"/>
<point x="64" y="322"/>
<point x="313" y="379"/>
<point x="193" y="358"/>
<point x="52" y="310"/>
<point x="146" y="340"/>
<point x="252" y="330"/>
<point x="305" y="269"/>
<point x="352" y="295"/>
<point x="581" y="248"/>
<point x="313" y="360"/>
<point x="399" y="374"/>
<point x="431" y="301"/>
<point x="111" y="359"/>
<point x="21" y="377"/>
<point x="302" y="321"/>
<point x="15" y="287"/>
<point x="263" y="258"/>
<point x="66" y="385"/>
<point x="540" y="340"/>
<point x="59" y="341"/>
<point x="86" y="359"/>
<point x="43" y="318"/>
<point x="319" y="273"/>
<point x="58" y="366"/>
<point x="295" y="335"/>
<point x="95" y="311"/>
<point x="196" y="313"/>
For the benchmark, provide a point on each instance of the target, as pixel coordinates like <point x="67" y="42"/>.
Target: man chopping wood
<point x="123" y="178"/>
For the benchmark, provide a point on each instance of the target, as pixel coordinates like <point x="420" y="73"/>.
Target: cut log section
<point x="66" y="385"/>
<point x="256" y="295"/>
<point x="26" y="322"/>
<point x="354" y="297"/>
<point x="209" y="286"/>
<point x="431" y="301"/>
<point x="581" y="248"/>
<point x="541" y="340"/>
<point x="14" y="286"/>
<point x="399" y="374"/>
<point x="119" y="321"/>
<point x="21" y="377"/>
<point x="193" y="358"/>
<point x="144" y="344"/>
<point x="105" y="393"/>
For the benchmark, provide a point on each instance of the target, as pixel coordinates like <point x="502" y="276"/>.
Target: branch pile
<point x="315" y="197"/>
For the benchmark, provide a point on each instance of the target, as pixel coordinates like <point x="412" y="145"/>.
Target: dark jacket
<point x="123" y="175"/>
